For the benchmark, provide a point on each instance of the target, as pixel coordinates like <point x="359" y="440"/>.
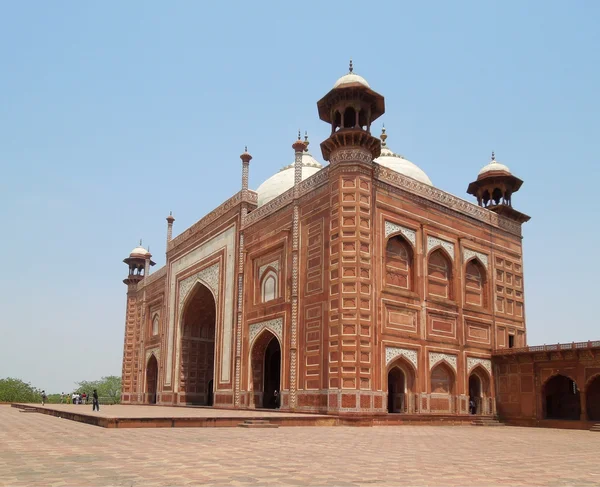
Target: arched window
<point x="442" y="380"/>
<point x="269" y="288"/>
<point x="155" y="325"/>
<point x="439" y="275"/>
<point x="349" y="117"/>
<point x="399" y="263"/>
<point x="475" y="284"/>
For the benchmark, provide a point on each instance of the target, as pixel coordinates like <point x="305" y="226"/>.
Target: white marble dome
<point x="351" y="78"/>
<point x="280" y="182"/>
<point x="139" y="251"/>
<point x="400" y="164"/>
<point x="493" y="166"/>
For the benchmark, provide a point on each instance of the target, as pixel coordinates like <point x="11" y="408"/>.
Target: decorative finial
<point x="245" y="157"/>
<point x="493" y="157"/>
<point x="351" y="67"/>
<point x="306" y="142"/>
<point x="140" y="242"/>
<point x="170" y="213"/>
<point x="299" y="136"/>
<point x="383" y="136"/>
<point x="245" y="148"/>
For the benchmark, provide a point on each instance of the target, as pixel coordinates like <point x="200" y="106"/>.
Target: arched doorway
<point x="479" y="389"/>
<point x="198" y="347"/>
<point x="151" y="379"/>
<point x="442" y="389"/>
<point x="561" y="398"/>
<point x="266" y="371"/>
<point x="592" y="399"/>
<point x="396" y="391"/>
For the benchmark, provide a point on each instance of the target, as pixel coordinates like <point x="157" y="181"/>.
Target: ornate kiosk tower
<point x="351" y="107"/>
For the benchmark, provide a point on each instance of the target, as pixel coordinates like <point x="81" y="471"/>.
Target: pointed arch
<point x="198" y="332"/>
<point x="561" y="398"/>
<point x="265" y="363"/>
<point x="151" y="379"/>
<point x="155" y="324"/>
<point x="476" y="283"/>
<point x="269" y="285"/>
<point x="592" y="397"/>
<point x="442" y="378"/>
<point x="399" y="262"/>
<point x="439" y="273"/>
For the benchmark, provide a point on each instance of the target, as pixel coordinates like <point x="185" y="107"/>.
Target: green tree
<point x="107" y="387"/>
<point x="15" y="390"/>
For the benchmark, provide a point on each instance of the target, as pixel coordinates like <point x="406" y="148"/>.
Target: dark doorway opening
<point x="592" y="399"/>
<point x="396" y="391"/>
<point x="198" y="347"/>
<point x="475" y="395"/>
<point x="152" y="379"/>
<point x="272" y="378"/>
<point x="561" y="399"/>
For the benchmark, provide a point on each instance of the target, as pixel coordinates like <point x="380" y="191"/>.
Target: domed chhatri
<point x="139" y="262"/>
<point x="351" y="79"/>
<point x="399" y="163"/>
<point x="494" y="188"/>
<point x="139" y="251"/>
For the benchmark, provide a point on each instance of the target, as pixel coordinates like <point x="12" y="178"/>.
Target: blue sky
<point x="115" y="113"/>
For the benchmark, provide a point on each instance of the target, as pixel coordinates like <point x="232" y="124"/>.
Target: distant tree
<point x="107" y="387"/>
<point x="15" y="390"/>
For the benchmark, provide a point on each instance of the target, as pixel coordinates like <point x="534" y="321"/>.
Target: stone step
<point x="596" y="428"/>
<point x="28" y="410"/>
<point x="486" y="422"/>
<point x="257" y="423"/>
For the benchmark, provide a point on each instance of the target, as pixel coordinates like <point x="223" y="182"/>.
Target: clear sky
<point x="114" y="113"/>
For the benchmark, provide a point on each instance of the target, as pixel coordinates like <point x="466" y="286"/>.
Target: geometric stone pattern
<point x="484" y="362"/>
<point x="155" y="352"/>
<point x="435" y="357"/>
<point x="468" y="254"/>
<point x="275" y="325"/>
<point x="392" y="352"/>
<point x="130" y="457"/>
<point x="274" y="265"/>
<point x="434" y="242"/>
<point x="208" y="276"/>
<point x="410" y="234"/>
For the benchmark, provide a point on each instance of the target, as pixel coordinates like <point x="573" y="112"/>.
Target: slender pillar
<point x="299" y="148"/>
<point x="170" y="221"/>
<point x="245" y="157"/>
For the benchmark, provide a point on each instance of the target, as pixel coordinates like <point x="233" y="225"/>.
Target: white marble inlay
<point x="468" y="254"/>
<point x="275" y="325"/>
<point x="262" y="268"/>
<point x="153" y="351"/>
<point x="436" y="357"/>
<point x="433" y="242"/>
<point x="393" y="352"/>
<point x="474" y="361"/>
<point x="208" y="277"/>
<point x="410" y="234"/>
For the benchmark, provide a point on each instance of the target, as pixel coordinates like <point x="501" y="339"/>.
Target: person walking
<point x="96" y="404"/>
<point x="44" y="397"/>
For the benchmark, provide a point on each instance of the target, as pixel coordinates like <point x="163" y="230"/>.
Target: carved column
<point x="129" y="342"/>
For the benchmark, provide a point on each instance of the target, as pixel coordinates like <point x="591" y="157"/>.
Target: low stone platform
<point x="134" y="416"/>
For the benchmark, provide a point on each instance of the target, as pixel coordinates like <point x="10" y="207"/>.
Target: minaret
<point x="138" y="262"/>
<point x="246" y="158"/>
<point x="299" y="149"/>
<point x="170" y="220"/>
<point x="494" y="187"/>
<point x="351" y="107"/>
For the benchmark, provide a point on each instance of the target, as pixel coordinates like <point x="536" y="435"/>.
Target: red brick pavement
<point x="37" y="449"/>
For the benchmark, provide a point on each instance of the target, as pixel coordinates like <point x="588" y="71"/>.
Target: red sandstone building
<point x="355" y="287"/>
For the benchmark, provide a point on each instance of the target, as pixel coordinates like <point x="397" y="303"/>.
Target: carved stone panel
<point x="436" y="357"/>
<point x="208" y="276"/>
<point x="393" y="352"/>
<point x="409" y="233"/>
<point x="433" y="242"/>
<point x="468" y="254"/>
<point x="472" y="362"/>
<point x="275" y="325"/>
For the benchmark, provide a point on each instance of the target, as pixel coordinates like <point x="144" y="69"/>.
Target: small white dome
<point x="351" y="78"/>
<point x="280" y="182"/>
<point x="139" y="251"/>
<point x="493" y="167"/>
<point x="400" y="164"/>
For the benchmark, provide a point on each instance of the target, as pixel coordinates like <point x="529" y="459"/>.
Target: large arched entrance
<point x="561" y="398"/>
<point x="266" y="371"/>
<point x="479" y="386"/>
<point x="151" y="379"/>
<point x="592" y="399"/>
<point x="400" y="379"/>
<point x="198" y="347"/>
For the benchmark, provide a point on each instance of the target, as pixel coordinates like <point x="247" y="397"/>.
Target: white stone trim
<point x="433" y="242"/>
<point x="262" y="268"/>
<point x="472" y="362"/>
<point x="275" y="325"/>
<point x="152" y="351"/>
<point x="409" y="233"/>
<point x="393" y="352"/>
<point x="208" y="276"/>
<point x="468" y="254"/>
<point x="436" y="357"/>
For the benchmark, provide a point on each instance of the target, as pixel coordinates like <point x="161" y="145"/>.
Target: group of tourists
<point x="76" y="398"/>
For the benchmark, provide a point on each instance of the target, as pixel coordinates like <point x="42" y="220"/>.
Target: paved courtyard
<point x="37" y="449"/>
